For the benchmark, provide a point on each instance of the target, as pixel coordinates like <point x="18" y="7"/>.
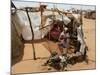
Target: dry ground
<point x="28" y="65"/>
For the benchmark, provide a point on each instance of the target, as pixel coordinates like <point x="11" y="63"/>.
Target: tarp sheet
<point x="36" y="24"/>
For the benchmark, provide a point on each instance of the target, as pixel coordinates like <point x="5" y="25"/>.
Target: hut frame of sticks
<point x="41" y="9"/>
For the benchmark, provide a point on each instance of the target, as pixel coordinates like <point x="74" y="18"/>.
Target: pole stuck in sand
<point x="34" y="55"/>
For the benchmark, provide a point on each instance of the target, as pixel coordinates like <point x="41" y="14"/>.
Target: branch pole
<point x="34" y="55"/>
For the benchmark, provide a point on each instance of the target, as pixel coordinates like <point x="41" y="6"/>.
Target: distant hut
<point x="90" y="15"/>
<point x="93" y="15"/>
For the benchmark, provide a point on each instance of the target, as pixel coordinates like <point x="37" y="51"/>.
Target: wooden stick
<point x="34" y="56"/>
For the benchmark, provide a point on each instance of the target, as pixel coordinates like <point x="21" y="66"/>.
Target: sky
<point x="21" y="4"/>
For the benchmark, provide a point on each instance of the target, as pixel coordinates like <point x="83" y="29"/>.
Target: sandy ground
<point x="28" y="65"/>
